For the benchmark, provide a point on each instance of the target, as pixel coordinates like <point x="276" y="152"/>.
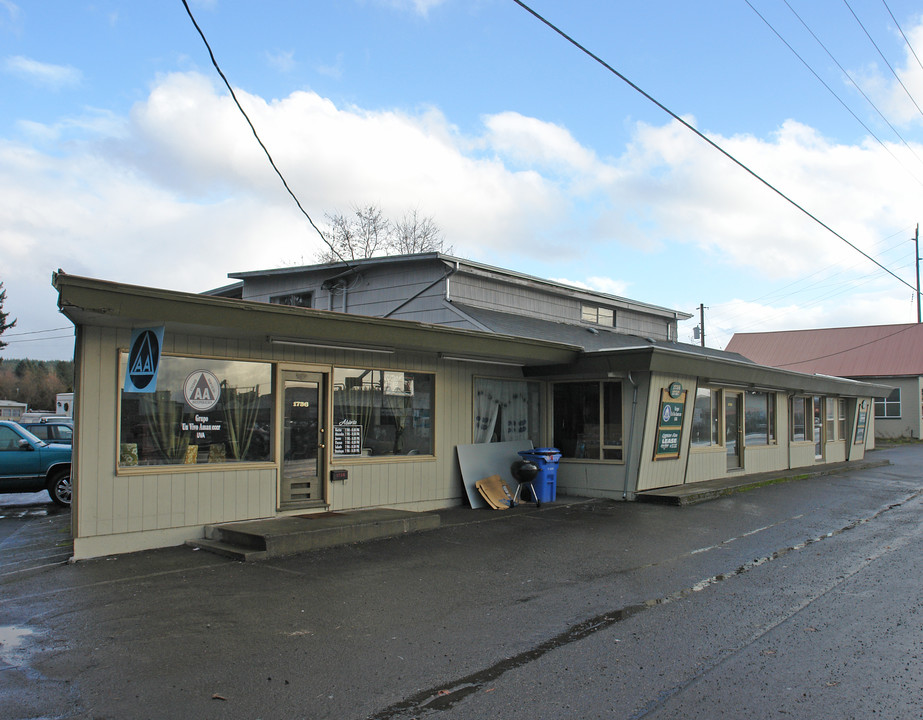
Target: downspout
<point x="631" y="433"/>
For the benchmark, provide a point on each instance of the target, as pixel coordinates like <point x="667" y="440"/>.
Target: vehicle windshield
<point x="31" y="437"/>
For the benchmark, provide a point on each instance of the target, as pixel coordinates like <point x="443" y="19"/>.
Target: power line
<point x="702" y="136"/>
<point x="875" y="45"/>
<point x="850" y="349"/>
<point x="855" y="85"/>
<point x="824" y="83"/>
<point x="41" y="339"/>
<point x="903" y="35"/>
<point x="36" y="332"/>
<point x="256" y="135"/>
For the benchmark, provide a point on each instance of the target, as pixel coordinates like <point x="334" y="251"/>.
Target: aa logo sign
<point x="201" y="390"/>
<point x="143" y="360"/>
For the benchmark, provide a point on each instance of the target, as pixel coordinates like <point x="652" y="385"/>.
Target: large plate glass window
<point x="382" y="412"/>
<point x="203" y="411"/>
<point x="705" y="418"/>
<point x="760" y="418"/>
<point x="587" y="419"/>
<point x="506" y="410"/>
<point x="802" y="411"/>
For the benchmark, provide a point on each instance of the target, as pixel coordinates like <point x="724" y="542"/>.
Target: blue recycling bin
<point x="546" y="482"/>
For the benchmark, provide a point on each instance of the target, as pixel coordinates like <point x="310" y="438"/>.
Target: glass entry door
<point x="732" y="428"/>
<point x="302" y="438"/>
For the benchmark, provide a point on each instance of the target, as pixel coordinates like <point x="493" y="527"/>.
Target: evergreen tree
<point x="4" y="325"/>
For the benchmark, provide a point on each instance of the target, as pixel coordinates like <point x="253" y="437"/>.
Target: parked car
<point x="29" y="464"/>
<point x="51" y="430"/>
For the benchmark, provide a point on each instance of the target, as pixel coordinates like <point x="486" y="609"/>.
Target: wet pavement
<point x="793" y="600"/>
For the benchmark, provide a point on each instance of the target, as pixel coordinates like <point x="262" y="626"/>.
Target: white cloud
<point x="737" y="315"/>
<point x="44" y="74"/>
<point x="282" y="60"/>
<point x="612" y="286"/>
<point x="893" y="96"/>
<point x="421" y="7"/>
<point x="178" y="194"/>
<point x="14" y="13"/>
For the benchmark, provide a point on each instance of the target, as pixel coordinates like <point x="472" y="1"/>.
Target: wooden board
<point x="485" y="459"/>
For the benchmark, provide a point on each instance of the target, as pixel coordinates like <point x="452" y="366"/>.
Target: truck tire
<point x="59" y="487"/>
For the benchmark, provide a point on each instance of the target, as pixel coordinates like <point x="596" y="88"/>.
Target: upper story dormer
<point x="442" y="289"/>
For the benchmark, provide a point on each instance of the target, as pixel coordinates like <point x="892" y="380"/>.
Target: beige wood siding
<point x="664" y="473"/>
<point x="147" y="507"/>
<point x="523" y="300"/>
<point x="801" y="454"/>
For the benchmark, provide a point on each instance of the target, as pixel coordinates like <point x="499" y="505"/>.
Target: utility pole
<point x="702" y="312"/>
<point x="916" y="240"/>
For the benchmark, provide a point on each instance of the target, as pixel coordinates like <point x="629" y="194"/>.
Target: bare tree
<point x="366" y="232"/>
<point x="359" y="235"/>
<point x="414" y="233"/>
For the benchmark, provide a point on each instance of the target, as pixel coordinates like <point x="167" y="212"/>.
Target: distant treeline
<point x="35" y="382"/>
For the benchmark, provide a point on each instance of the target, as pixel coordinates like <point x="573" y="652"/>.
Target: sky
<point x="124" y="158"/>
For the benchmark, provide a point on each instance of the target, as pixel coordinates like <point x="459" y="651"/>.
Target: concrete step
<point x="291" y="535"/>
<point x="235" y="552"/>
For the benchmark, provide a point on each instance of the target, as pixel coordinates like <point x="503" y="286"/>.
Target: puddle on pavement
<point x="24" y="513"/>
<point x="12" y="638"/>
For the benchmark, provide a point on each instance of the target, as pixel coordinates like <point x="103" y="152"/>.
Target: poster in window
<point x="862" y="422"/>
<point x="397" y="384"/>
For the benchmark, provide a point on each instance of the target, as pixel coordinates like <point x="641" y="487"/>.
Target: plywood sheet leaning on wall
<point x="482" y="460"/>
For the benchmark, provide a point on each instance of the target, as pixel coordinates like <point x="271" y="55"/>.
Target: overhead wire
<point x="849" y="349"/>
<point x="903" y="35"/>
<point x="854" y="83"/>
<point x="702" y="136"/>
<point x="830" y="89"/>
<point x="256" y="135"/>
<point x="875" y="45"/>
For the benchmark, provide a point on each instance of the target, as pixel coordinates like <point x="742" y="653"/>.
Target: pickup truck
<point x="28" y="464"/>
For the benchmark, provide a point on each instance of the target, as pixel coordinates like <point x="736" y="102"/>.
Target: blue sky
<point x="123" y="158"/>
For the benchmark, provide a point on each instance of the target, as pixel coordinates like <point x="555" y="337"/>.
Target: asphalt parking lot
<point x="799" y="599"/>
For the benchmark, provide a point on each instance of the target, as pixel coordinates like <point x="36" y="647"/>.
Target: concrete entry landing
<point x="692" y="493"/>
<point x="278" y="537"/>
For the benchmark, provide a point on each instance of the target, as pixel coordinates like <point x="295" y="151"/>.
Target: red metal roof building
<point x="889" y="354"/>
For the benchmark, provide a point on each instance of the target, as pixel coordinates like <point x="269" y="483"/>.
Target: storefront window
<point x="760" y="419"/>
<point x="588" y="420"/>
<point x="506" y="410"/>
<point x="830" y="428"/>
<point x="841" y="405"/>
<point x="705" y="418"/>
<point x="382" y="412"/>
<point x="800" y="431"/>
<point x="203" y="411"/>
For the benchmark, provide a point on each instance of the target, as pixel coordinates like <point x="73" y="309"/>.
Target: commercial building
<point x="251" y="402"/>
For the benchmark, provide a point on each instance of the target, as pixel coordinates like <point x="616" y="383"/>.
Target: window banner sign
<point x="670" y="422"/>
<point x="143" y="360"/>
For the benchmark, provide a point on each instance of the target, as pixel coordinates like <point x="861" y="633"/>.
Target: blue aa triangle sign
<point x="143" y="360"/>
